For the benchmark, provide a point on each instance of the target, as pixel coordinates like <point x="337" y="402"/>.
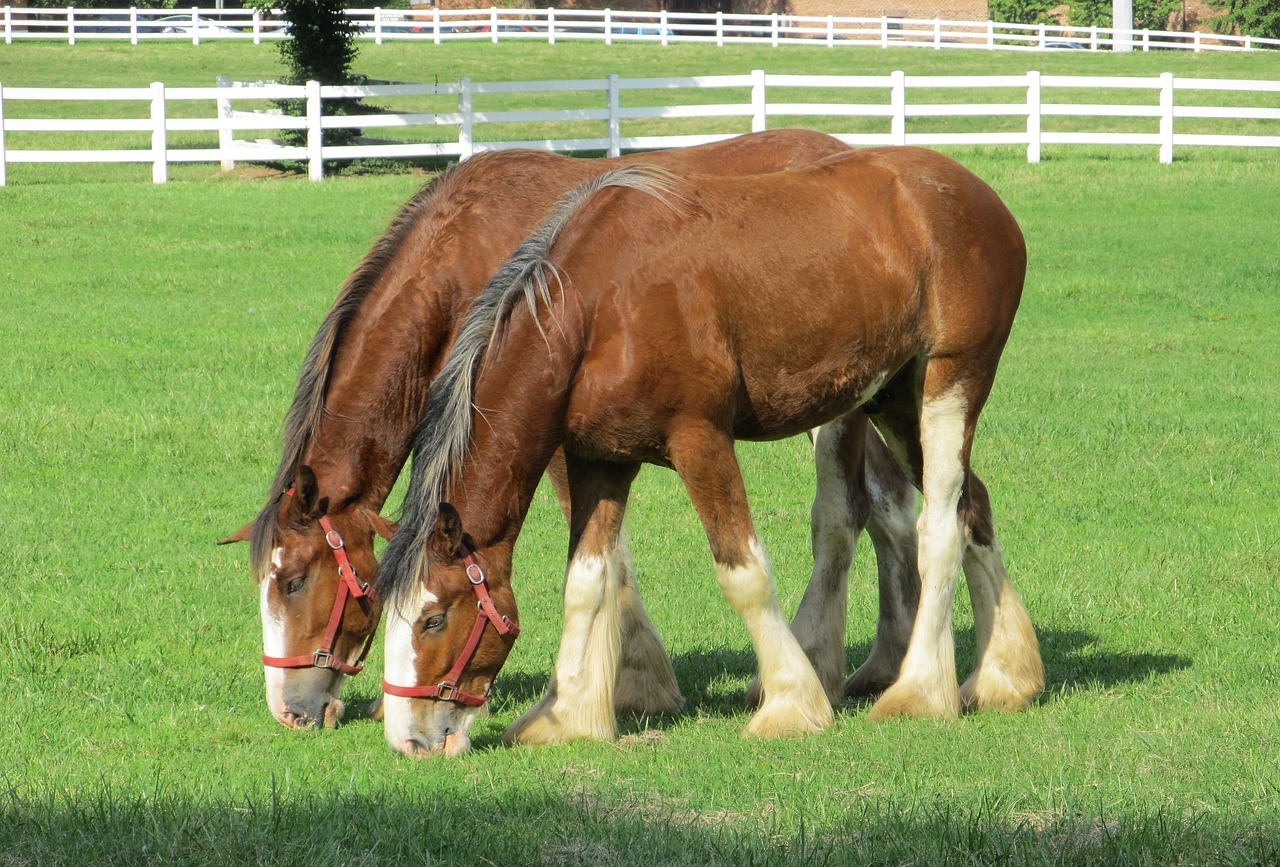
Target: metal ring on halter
<point x="476" y="577"/>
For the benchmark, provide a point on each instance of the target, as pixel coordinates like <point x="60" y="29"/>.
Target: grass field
<point x="154" y="335"/>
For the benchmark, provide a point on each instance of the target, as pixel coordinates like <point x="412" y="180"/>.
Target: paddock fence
<point x="232" y="123"/>
<point x="196" y="24"/>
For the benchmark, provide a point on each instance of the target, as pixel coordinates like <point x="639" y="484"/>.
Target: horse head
<point x="315" y="564"/>
<point x="447" y="636"/>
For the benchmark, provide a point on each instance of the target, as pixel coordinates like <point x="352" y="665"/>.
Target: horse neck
<point x="522" y="398"/>
<point x="377" y="387"/>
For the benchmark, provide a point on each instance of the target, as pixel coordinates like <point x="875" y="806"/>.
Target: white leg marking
<point x="794" y="701"/>
<point x="927" y="685"/>
<point x="579" y="699"/>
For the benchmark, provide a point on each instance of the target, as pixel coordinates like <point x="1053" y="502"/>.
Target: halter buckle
<point x="334" y="538"/>
<point x="321" y="659"/>
<point x="475" y="574"/>
<point x="446" y="691"/>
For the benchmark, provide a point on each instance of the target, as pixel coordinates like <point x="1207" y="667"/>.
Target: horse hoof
<point x="784" y="719"/>
<point x="909" y="700"/>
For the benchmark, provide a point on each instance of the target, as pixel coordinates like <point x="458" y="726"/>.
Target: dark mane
<point x="444" y="434"/>
<point x="308" y="406"/>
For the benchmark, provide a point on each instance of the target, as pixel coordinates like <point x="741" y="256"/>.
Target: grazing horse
<point x="361" y="393"/>
<point x="656" y="318"/>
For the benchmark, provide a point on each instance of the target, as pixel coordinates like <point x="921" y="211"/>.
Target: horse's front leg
<point x="579" y="702"/>
<point x="794" y="701"/>
<point x="646" y="680"/>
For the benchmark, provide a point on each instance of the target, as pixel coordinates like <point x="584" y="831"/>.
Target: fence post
<point x="615" y="124"/>
<point x="831" y="31"/>
<point x="1166" y="117"/>
<point x="1093" y="38"/>
<point x="315" y="132"/>
<point x="898" y="99"/>
<point x="608" y="27"/>
<point x="133" y="25"/>
<point x="937" y="34"/>
<point x="759" y="115"/>
<point x="1197" y="39"/>
<point x="662" y="23"/>
<point x="991" y="34"/>
<point x="1146" y="40"/>
<point x="465" y="140"/>
<point x="257" y="26"/>
<point x="435" y="25"/>
<point x="71" y="25"/>
<point x="719" y="29"/>
<point x="493" y="24"/>
<point x="551" y="25"/>
<point x="1033" y="117"/>
<point x="159" y="164"/>
<point x="8" y="25"/>
<point x="884" y="31"/>
<point x="3" y="156"/>
<point x="226" y="135"/>
<point x="773" y="28"/>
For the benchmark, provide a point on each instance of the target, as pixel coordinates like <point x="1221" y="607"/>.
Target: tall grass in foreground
<point x="154" y="335"/>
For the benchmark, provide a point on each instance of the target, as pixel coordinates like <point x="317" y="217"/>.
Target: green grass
<point x="154" y="335"/>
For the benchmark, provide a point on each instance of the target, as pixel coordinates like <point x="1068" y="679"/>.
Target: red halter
<point x="349" y="586"/>
<point x="447" y="689"/>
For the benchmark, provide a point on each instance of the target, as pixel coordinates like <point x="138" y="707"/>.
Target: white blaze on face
<point x="401" y="619"/>
<point x="273" y="640"/>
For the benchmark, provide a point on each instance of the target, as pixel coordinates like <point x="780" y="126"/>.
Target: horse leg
<point x="1009" y="674"/>
<point x="580" y="696"/>
<point x="839" y="513"/>
<point x="646" y="681"/>
<point x="794" y="700"/>
<point x="929" y="427"/>
<point x="892" y="526"/>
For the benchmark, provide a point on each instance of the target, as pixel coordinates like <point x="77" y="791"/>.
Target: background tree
<point x="1147" y="14"/>
<point x="321" y="46"/>
<point x="1249" y="17"/>
<point x="1022" y="11"/>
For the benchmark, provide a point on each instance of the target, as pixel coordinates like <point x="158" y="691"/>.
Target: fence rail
<point x="742" y="102"/>
<point x="551" y="25"/>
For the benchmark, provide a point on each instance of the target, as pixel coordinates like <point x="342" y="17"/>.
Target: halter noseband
<point x="349" y="586"/>
<point x="447" y="689"/>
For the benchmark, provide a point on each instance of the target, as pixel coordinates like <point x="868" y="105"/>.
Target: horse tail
<point x="444" y="433"/>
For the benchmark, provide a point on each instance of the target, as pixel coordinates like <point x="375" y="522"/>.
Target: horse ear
<point x="241" y="535"/>
<point x="446" y="535"/>
<point x="306" y="503"/>
<point x="382" y="526"/>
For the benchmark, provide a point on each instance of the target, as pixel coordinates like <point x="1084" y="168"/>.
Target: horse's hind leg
<point x="892" y="526"/>
<point x="579" y="702"/>
<point x="929" y="427"/>
<point x="794" y="700"/>
<point x="839" y="513"/>
<point x="646" y="681"/>
<point x="1009" y="674"/>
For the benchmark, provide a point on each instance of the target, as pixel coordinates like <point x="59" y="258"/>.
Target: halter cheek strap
<point x="349" y="586"/>
<point x="486" y="613"/>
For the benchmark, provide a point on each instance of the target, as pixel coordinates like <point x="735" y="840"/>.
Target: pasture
<point x="154" y="336"/>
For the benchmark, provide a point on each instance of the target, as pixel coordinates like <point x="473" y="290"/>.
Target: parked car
<point x="1062" y="45"/>
<point x="185" y="24"/>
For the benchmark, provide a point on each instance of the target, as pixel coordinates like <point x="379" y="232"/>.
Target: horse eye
<point x="435" y="621"/>
<point x="295" y="585"/>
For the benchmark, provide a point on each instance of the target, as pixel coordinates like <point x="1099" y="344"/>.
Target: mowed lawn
<point x="153" y="339"/>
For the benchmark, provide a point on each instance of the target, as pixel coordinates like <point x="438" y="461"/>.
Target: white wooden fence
<point x="551" y="25"/>
<point x="468" y="129"/>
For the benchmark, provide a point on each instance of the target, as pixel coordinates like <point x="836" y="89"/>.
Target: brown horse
<point x="361" y="393"/>
<point x="657" y="319"/>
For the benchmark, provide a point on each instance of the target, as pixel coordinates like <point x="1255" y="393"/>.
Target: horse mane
<point x="441" y="443"/>
<point x="308" y="407"/>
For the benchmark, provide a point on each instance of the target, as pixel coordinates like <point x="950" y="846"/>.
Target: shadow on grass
<point x="409" y="822"/>
<point x="714" y="680"/>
